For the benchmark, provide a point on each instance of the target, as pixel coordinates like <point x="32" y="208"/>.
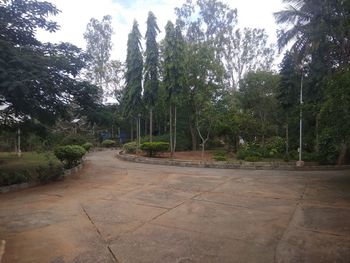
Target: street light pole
<point x="300" y="162"/>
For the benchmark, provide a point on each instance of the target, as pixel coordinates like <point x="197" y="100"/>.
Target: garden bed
<point x="230" y="164"/>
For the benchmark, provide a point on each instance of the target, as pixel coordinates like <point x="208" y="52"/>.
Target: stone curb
<point x="16" y="187"/>
<point x="224" y="165"/>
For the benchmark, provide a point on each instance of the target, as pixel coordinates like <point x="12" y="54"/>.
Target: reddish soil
<point x="189" y="155"/>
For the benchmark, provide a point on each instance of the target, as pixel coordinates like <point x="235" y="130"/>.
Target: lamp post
<point x="300" y="162"/>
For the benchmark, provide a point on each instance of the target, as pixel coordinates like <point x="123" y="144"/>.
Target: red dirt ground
<point x="189" y="155"/>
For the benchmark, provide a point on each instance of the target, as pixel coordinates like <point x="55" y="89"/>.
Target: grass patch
<point x="30" y="167"/>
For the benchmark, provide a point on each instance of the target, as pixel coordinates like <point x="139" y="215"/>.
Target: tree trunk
<point x="132" y="132"/>
<point x="342" y="154"/>
<point x="317" y="143"/>
<point x="287" y="139"/>
<point x="193" y="135"/>
<point x="171" y="134"/>
<point x="150" y="124"/>
<point x="174" y="146"/>
<point x="203" y="148"/>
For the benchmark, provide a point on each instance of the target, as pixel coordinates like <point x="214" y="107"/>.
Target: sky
<point x="75" y="15"/>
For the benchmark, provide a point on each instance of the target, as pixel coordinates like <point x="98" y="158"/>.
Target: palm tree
<point x="316" y="25"/>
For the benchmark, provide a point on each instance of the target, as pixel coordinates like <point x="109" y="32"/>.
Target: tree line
<point x="206" y="83"/>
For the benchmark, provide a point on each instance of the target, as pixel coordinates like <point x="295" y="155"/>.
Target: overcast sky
<point x="76" y="14"/>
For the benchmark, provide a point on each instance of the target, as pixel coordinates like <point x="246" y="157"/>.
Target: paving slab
<point x="264" y="228"/>
<point x="117" y="211"/>
<point x="73" y="241"/>
<point x="274" y="205"/>
<point x="113" y="218"/>
<point x="301" y="246"/>
<point x="154" y="243"/>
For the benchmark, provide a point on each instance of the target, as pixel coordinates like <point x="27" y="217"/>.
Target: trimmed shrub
<point x="154" y="147"/>
<point x="130" y="147"/>
<point x="108" y="143"/>
<point x="70" y="155"/>
<point x="14" y="177"/>
<point x="73" y="139"/>
<point x="87" y="146"/>
<point x="30" y="167"/>
<point x="220" y="156"/>
<point x="252" y="158"/>
<point x="49" y="173"/>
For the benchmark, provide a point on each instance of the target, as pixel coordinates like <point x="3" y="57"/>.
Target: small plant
<point x="154" y="147"/>
<point x="73" y="139"/>
<point x="70" y="155"/>
<point x="252" y="158"/>
<point x="108" y="143"/>
<point x="249" y="150"/>
<point x="87" y="146"/>
<point x="130" y="147"/>
<point x="220" y="156"/>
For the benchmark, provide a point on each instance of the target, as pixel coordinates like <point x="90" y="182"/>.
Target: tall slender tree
<point x="151" y="82"/>
<point x="173" y="75"/>
<point x="98" y="38"/>
<point x="132" y="95"/>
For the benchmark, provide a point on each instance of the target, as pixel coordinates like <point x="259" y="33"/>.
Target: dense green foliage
<point x="130" y="147"/>
<point x="207" y="84"/>
<point x="31" y="167"/>
<point x="70" y="155"/>
<point x="108" y="143"/>
<point x="152" y="148"/>
<point x="87" y="146"/>
<point x="37" y="80"/>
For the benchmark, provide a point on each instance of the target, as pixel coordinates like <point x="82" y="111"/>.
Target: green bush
<point x="249" y="150"/>
<point x="70" y="155"/>
<point x="73" y="139"/>
<point x="275" y="146"/>
<point x="30" y="167"/>
<point x="252" y="158"/>
<point x="87" y="146"/>
<point x="49" y="173"/>
<point x="154" y="147"/>
<point x="329" y="148"/>
<point x="14" y="177"/>
<point x="220" y="156"/>
<point x="130" y="147"/>
<point x="108" y="143"/>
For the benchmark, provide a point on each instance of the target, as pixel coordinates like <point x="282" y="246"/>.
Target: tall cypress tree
<point x="174" y="48"/>
<point x="132" y="101"/>
<point x="151" y="82"/>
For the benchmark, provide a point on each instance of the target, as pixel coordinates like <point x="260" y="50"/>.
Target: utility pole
<point x="300" y="162"/>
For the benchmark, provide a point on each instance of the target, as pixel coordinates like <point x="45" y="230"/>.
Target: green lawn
<point x="30" y="167"/>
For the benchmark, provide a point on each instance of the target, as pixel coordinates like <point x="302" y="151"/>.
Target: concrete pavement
<point x="115" y="211"/>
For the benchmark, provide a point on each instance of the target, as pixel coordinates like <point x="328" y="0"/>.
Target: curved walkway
<point x="116" y="211"/>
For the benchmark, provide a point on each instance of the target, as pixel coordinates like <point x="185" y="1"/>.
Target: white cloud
<point x="76" y="14"/>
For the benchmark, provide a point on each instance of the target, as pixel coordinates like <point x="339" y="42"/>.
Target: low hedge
<point x="154" y="147"/>
<point x="108" y="143"/>
<point x="30" y="167"/>
<point x="70" y="155"/>
<point x="130" y="147"/>
<point x="87" y="146"/>
<point x="220" y="156"/>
